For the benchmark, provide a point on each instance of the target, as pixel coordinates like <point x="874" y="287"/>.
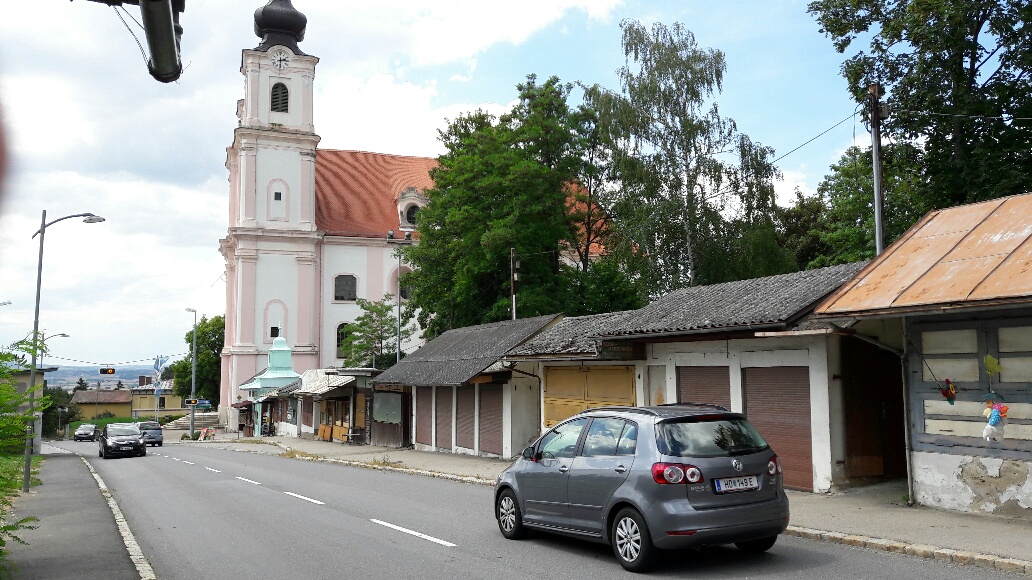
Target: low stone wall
<point x="973" y="484"/>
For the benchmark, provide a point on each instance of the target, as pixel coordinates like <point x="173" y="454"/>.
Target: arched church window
<point x="280" y="98"/>
<point x="345" y="288"/>
<point x="410" y="214"/>
<point x="343" y="331"/>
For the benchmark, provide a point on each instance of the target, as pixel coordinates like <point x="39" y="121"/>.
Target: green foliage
<point x="54" y="420"/>
<point x="211" y="337"/>
<point x="523" y="181"/>
<point x="81" y="385"/>
<point x="14" y="404"/>
<point x="683" y="213"/>
<point x="373" y="336"/>
<point x="11" y="476"/>
<point x="956" y="75"/>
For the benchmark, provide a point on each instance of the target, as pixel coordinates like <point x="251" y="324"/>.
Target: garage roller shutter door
<point x="465" y="407"/>
<point x="443" y="420"/>
<point x="424" y="415"/>
<point x="777" y="402"/>
<point x="491" y="419"/>
<point x="570" y="390"/>
<point x="704" y="385"/>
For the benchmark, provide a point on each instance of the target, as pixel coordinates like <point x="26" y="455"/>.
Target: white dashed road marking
<point x="414" y="533"/>
<point x="215" y="470"/>
<point x="188" y="462"/>
<point x="248" y="480"/>
<point x="315" y="501"/>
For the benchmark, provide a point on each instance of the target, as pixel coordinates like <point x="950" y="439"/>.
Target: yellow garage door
<point x="570" y="390"/>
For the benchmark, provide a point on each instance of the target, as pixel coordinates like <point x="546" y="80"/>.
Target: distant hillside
<point x="68" y="376"/>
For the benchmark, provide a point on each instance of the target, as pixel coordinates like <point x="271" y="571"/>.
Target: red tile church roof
<point x="356" y="191"/>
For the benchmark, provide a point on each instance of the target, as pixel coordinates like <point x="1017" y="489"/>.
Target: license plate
<point x="729" y="484"/>
<point x="126" y="448"/>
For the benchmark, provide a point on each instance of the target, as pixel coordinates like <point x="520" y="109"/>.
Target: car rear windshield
<point x="151" y="425"/>
<point x="708" y="438"/>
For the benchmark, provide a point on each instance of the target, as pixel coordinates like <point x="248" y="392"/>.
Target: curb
<point x="964" y="558"/>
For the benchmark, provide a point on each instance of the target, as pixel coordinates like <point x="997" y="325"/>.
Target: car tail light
<point x="675" y="473"/>
<point x="774" y="465"/>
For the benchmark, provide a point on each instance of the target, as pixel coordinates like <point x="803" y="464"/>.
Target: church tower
<point x="271" y="247"/>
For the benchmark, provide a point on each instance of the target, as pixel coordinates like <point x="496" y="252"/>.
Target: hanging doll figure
<point x="997" y="413"/>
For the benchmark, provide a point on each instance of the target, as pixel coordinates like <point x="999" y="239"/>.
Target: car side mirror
<point x="529" y="454"/>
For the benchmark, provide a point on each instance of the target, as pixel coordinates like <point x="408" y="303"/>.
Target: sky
<point x="89" y="130"/>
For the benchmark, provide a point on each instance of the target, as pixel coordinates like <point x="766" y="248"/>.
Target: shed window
<point x="345" y="287"/>
<point x="280" y="98"/>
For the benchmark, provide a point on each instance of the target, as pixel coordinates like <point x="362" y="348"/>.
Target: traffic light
<point x="189" y="402"/>
<point x="107" y="371"/>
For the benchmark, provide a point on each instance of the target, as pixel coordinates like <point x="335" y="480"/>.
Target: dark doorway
<point x="873" y="399"/>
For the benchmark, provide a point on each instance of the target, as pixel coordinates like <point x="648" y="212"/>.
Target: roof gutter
<point x="711" y="330"/>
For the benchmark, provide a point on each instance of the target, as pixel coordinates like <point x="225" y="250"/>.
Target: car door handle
<point x="564" y="468"/>
<point x="620" y="469"/>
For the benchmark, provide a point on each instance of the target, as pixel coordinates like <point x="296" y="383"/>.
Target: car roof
<point x="668" y="411"/>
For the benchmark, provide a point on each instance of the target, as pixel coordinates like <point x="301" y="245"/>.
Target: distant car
<point x="152" y="434"/>
<point x="121" y="439"/>
<point x="86" y="432"/>
<point x="642" y="478"/>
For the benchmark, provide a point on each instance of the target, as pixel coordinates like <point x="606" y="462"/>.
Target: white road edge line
<point x="414" y="533"/>
<point x="188" y="462"/>
<point x="135" y="553"/>
<point x="215" y="470"/>
<point x="315" y="501"/>
<point x="248" y="480"/>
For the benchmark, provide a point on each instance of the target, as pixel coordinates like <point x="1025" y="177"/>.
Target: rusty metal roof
<point x="965" y="256"/>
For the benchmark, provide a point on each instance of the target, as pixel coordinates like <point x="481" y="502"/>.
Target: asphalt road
<point x="202" y="512"/>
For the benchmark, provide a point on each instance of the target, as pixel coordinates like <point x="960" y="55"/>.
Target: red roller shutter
<point x="465" y="410"/>
<point x="424" y="415"/>
<point x="777" y="402"/>
<point x="491" y="419"/>
<point x="704" y="385"/>
<point x="443" y="422"/>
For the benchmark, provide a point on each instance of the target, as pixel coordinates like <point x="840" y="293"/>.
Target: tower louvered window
<point x="280" y="98"/>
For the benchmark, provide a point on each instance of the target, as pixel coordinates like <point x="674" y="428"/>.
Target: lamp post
<point x="407" y="241"/>
<point x="193" y="371"/>
<point x="30" y="430"/>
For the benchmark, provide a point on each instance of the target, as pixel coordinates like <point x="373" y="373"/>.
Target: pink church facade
<point x="308" y="228"/>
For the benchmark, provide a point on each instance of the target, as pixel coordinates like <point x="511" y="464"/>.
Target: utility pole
<point x="514" y="275"/>
<point x="876" y="117"/>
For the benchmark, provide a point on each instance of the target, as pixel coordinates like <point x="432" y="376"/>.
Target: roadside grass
<point x="295" y="454"/>
<point x="12" y="475"/>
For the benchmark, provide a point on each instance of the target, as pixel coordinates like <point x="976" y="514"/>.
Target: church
<point x="310" y="230"/>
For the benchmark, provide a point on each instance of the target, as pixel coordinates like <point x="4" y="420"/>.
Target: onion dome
<point x="279" y="23"/>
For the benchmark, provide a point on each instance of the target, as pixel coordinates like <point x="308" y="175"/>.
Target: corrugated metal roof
<point x="773" y="302"/>
<point x="318" y="381"/>
<point x="356" y="191"/>
<point x="976" y="254"/>
<point x="569" y="336"/>
<point x="462" y="353"/>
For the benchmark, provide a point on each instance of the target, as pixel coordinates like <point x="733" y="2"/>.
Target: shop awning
<point x="241" y="404"/>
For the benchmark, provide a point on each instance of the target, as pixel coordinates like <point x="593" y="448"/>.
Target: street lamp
<point x="193" y="372"/>
<point x="5" y="303"/>
<point x="407" y="241"/>
<point x="30" y="435"/>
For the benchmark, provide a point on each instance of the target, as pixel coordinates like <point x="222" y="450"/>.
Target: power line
<point x="851" y="115"/>
<point x="106" y="364"/>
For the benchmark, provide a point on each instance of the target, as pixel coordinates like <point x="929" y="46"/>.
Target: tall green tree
<point x="685" y="172"/>
<point x="957" y="80"/>
<point x="514" y="181"/>
<point x="81" y="385"/>
<point x="14" y="403"/>
<point x="373" y="337"/>
<point x="211" y="337"/>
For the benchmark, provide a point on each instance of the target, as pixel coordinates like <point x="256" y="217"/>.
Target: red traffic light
<point x="107" y="371"/>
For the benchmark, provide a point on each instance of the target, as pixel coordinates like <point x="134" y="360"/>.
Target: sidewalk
<point x="874" y="516"/>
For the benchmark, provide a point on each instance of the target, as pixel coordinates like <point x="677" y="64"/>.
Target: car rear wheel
<point x="757" y="546"/>
<point x="510" y="520"/>
<point x="631" y="541"/>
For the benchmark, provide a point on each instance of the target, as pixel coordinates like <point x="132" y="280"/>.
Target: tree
<point x="54" y="419"/>
<point x="514" y="181"/>
<point x="211" y="337"/>
<point x="801" y="226"/>
<point x="14" y="404"/>
<point x="848" y="192"/>
<point x="957" y="80"/>
<point x="119" y="385"/>
<point x="81" y="385"/>
<point x="680" y="209"/>
<point x="373" y="336"/>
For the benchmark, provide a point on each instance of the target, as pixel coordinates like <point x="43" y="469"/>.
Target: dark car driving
<point x="86" y="432"/>
<point x="647" y="478"/>
<point x="152" y="434"/>
<point x="121" y="439"/>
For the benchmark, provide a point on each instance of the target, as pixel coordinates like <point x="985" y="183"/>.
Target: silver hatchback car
<point x="642" y="478"/>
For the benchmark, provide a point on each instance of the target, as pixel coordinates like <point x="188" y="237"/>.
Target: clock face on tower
<point x="280" y="59"/>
